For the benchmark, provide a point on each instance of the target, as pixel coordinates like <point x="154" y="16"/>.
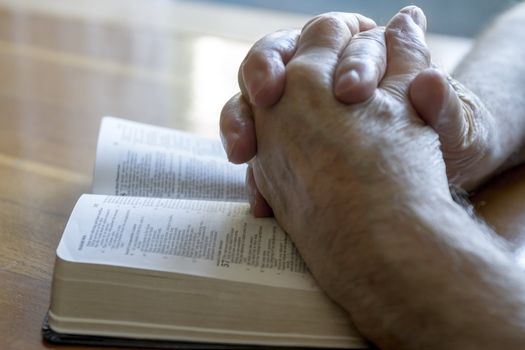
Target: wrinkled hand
<point x="471" y="149"/>
<point x="339" y="177"/>
<point x="465" y="126"/>
<point x="262" y="80"/>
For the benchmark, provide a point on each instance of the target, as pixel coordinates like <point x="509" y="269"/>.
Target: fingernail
<point x="417" y="16"/>
<point x="347" y="82"/>
<point x="254" y="80"/>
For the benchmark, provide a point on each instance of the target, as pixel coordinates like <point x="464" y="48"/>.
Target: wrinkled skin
<point x="354" y="174"/>
<point x="323" y="164"/>
<point x="466" y="128"/>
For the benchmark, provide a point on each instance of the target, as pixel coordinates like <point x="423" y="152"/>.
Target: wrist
<point x="506" y="146"/>
<point x="435" y="263"/>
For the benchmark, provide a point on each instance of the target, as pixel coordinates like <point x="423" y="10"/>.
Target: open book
<point x="166" y="250"/>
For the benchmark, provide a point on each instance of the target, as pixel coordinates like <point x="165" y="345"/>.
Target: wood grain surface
<point x="60" y="72"/>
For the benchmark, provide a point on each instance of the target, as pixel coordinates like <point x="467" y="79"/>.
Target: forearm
<point x="495" y="71"/>
<point x="436" y="279"/>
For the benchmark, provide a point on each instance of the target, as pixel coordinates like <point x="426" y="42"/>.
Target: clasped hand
<point x="352" y="139"/>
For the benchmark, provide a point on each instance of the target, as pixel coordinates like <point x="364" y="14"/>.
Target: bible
<point x="165" y="254"/>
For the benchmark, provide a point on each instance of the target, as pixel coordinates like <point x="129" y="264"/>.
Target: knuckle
<point x="308" y="87"/>
<point x="257" y="59"/>
<point x="362" y="63"/>
<point x="366" y="48"/>
<point x="326" y="24"/>
<point x="299" y="73"/>
<point x="352" y="62"/>
<point x="282" y="42"/>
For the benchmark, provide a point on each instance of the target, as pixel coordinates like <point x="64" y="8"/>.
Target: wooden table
<point x="65" y="64"/>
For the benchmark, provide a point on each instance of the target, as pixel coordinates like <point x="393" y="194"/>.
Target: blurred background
<point x="453" y="17"/>
<point x="66" y="63"/>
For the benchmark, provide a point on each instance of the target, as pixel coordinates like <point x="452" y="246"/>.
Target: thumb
<point x="438" y="104"/>
<point x="464" y="125"/>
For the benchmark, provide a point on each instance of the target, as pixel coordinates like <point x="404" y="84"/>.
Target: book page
<point x="203" y="238"/>
<point x="135" y="159"/>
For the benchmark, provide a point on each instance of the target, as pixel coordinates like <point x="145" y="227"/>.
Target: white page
<point x="135" y="159"/>
<point x="204" y="238"/>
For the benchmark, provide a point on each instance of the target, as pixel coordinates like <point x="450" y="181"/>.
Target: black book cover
<point x="54" y="337"/>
